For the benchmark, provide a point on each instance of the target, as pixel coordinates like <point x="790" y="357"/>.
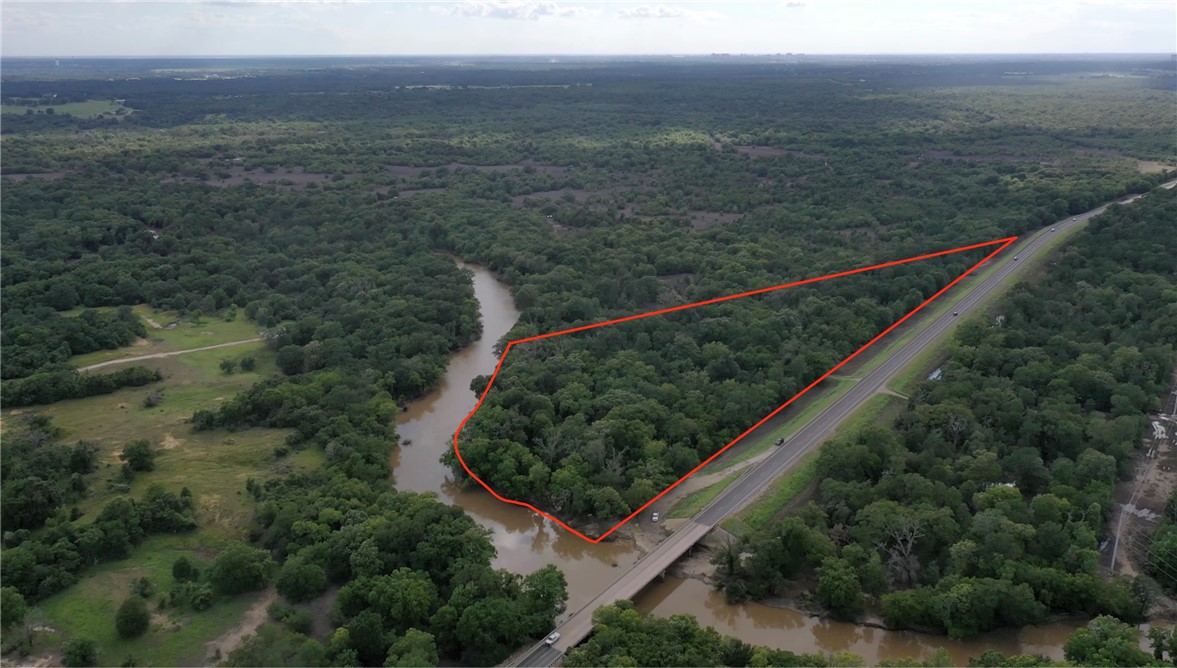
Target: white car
<point x="552" y="638"/>
<point x="655" y="517"/>
<point x="1052" y="229"/>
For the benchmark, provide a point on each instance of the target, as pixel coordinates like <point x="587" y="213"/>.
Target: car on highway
<point x="552" y="638"/>
<point x="655" y="517"/>
<point x="1015" y="257"/>
<point x="1052" y="229"/>
<point x="955" y="313"/>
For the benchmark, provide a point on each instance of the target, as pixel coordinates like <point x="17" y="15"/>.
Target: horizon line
<point x="606" y="55"/>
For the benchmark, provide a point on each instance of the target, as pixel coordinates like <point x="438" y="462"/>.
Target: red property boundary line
<point x="1004" y="243"/>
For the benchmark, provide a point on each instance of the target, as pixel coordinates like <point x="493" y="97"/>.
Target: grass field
<point x="698" y="499"/>
<point x="185" y="336"/>
<point x="214" y="465"/>
<point x="87" y="109"/>
<point x="803" y="474"/>
<point x="88" y="608"/>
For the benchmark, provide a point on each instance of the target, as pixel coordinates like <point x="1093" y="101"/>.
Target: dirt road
<point x="171" y="354"/>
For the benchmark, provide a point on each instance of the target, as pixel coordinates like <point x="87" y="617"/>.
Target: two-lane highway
<point x="965" y="298"/>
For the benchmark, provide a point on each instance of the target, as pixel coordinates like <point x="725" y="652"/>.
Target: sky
<point x="546" y="27"/>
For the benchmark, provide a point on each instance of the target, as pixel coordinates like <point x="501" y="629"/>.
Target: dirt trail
<point x="253" y="618"/>
<point x="171" y="354"/>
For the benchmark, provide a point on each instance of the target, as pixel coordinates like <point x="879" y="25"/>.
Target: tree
<point x="228" y="366"/>
<point x="138" y="455"/>
<point x="241" y="568"/>
<point x="248" y="363"/>
<point x="290" y="360"/>
<point x="184" y="570"/>
<point x="78" y="651"/>
<point x="415" y="648"/>
<point x="838" y="588"/>
<point x="366" y="637"/>
<point x="299" y="581"/>
<point x="489" y="629"/>
<point x="12" y="607"/>
<point x="132" y="619"/>
<point x="1106" y="641"/>
<point x="545" y="593"/>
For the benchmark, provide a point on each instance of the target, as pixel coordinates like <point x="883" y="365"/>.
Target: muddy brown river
<point x="526" y="541"/>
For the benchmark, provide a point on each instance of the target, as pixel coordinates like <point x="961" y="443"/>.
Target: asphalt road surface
<point x="964" y="298"/>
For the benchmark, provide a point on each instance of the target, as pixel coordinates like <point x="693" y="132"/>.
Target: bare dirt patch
<point x="1153" y="167"/>
<point x="296" y="178"/>
<point x="679" y="282"/>
<point x="42" y="176"/>
<point x="252" y="619"/>
<point x="410" y="170"/>
<point x="701" y="220"/>
<point x="566" y="194"/>
<point x="760" y="151"/>
<point x="1141" y="500"/>
<point x="169" y="442"/>
<point x="420" y="191"/>
<point x="774" y="152"/>
<point x="165" y="622"/>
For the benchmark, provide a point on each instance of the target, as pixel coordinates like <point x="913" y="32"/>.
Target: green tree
<point x="1106" y="641"/>
<point x="184" y="570"/>
<point x="299" y="581"/>
<point x="12" y="607"/>
<point x="138" y="455"/>
<point x="78" y="651"/>
<point x="132" y="619"/>
<point x="838" y="588"/>
<point x="241" y="568"/>
<point x="415" y="648"/>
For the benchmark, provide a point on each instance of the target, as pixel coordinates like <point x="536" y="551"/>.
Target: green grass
<point x="788" y="487"/>
<point x="813" y="404"/>
<point x="87" y="109"/>
<point x="698" y="499"/>
<point x="214" y="465"/>
<point x="88" y="608"/>
<point x="185" y="336"/>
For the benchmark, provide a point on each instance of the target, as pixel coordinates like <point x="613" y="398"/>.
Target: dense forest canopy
<point x="324" y="200"/>
<point x="985" y="502"/>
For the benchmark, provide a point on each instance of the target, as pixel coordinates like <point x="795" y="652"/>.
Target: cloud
<point x="669" y="12"/>
<point x="794" y="4"/>
<point x="655" y="12"/>
<point x="517" y="10"/>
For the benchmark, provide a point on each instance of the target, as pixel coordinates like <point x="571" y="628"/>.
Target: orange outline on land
<point x="1005" y="243"/>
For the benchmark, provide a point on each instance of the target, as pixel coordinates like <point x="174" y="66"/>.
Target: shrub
<point x="132" y="619"/>
<point x="79" y="652"/>
<point x="241" y="568"/>
<point x="184" y="570"/>
<point x="138" y="455"/>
